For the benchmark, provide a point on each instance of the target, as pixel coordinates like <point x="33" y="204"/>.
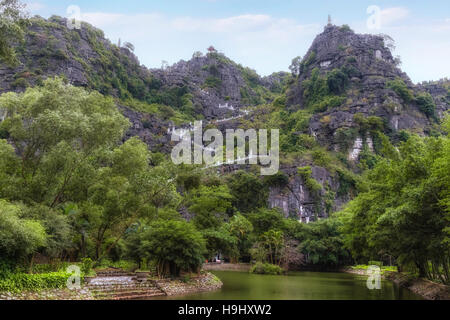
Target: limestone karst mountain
<point x="208" y="86"/>
<point x="350" y="89"/>
<point x="363" y="78"/>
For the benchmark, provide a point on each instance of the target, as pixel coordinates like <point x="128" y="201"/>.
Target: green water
<point x="300" y="286"/>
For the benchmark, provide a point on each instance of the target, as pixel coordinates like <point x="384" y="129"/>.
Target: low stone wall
<point x="245" y="267"/>
<point x="203" y="283"/>
<point x="425" y="288"/>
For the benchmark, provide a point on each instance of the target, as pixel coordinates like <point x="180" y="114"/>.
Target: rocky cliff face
<point x="346" y="81"/>
<point x="362" y="72"/>
<point x="210" y="86"/>
<point x="440" y="91"/>
<point x="296" y="200"/>
<point x="82" y="56"/>
<point x="219" y="87"/>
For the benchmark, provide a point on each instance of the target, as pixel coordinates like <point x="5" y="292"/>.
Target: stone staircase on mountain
<point x="121" y="285"/>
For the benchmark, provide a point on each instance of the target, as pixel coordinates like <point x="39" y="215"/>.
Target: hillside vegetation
<point x="85" y="171"/>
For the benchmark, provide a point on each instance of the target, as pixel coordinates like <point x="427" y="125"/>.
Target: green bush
<point x="346" y="28"/>
<point x="86" y="265"/>
<point x="327" y="102"/>
<point x="279" y="179"/>
<point x="175" y="246"/>
<point x="337" y="81"/>
<point x="320" y="91"/>
<point x="212" y="82"/>
<point x="376" y="263"/>
<point x="20" y="83"/>
<point x="51" y="267"/>
<point x="122" y="264"/>
<point x="19" y="238"/>
<point x="426" y="104"/>
<point x="400" y="87"/>
<point x="266" y="268"/>
<point x="16" y="282"/>
<point x="313" y="186"/>
<point x="321" y="157"/>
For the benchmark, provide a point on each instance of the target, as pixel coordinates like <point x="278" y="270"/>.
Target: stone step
<point x="127" y="292"/>
<point x="122" y="289"/>
<point x="115" y="274"/>
<point x="120" y="286"/>
<point x="141" y="297"/>
<point x="99" y="281"/>
<point x="129" y="295"/>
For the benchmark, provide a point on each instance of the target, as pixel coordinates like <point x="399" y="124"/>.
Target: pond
<point x="300" y="286"/>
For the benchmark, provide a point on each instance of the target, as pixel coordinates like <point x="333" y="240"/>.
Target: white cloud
<point x="422" y="45"/>
<point x="32" y="7"/>
<point x="267" y="43"/>
<point x="250" y="39"/>
<point x="390" y="16"/>
<point x="100" y="19"/>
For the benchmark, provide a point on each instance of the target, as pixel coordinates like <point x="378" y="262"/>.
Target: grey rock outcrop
<point x="219" y="87"/>
<point x="440" y="91"/>
<point x="370" y="66"/>
<point x="296" y="201"/>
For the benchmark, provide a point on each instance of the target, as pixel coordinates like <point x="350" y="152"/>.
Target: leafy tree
<point x="197" y="54"/>
<point x="322" y="244"/>
<point x="264" y="220"/>
<point x="426" y="104"/>
<point x="404" y="210"/>
<point x="175" y="245"/>
<point x="279" y="179"/>
<point x="400" y="87"/>
<point x="220" y="241"/>
<point x="240" y="228"/>
<point x="295" y="66"/>
<point x="9" y="163"/>
<point x="188" y="178"/>
<point x="58" y="131"/>
<point x="211" y="206"/>
<point x="273" y="241"/>
<point x="58" y="228"/>
<point x="127" y="191"/>
<point x="313" y="186"/>
<point x="129" y="46"/>
<point x="249" y="192"/>
<point x="19" y="238"/>
<point x="12" y="23"/>
<point x="337" y="81"/>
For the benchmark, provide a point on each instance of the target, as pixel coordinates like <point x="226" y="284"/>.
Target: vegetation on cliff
<point x="74" y="184"/>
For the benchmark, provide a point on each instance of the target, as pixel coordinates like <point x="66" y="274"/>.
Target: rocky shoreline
<point x="204" y="283"/>
<point x="425" y="288"/>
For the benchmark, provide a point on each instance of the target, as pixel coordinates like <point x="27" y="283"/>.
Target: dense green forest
<point x="70" y="189"/>
<point x="73" y="189"/>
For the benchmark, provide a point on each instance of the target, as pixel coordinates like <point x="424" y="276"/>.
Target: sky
<point x="264" y="35"/>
